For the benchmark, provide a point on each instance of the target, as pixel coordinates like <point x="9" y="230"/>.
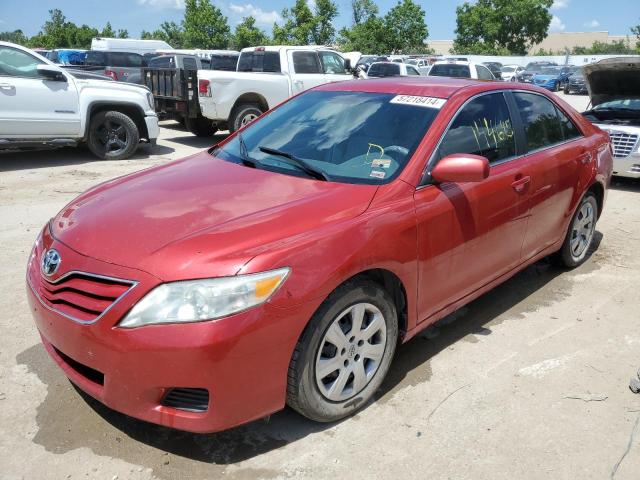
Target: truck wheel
<point x="112" y="135"/>
<point x="242" y="115"/>
<point x="200" y="126"/>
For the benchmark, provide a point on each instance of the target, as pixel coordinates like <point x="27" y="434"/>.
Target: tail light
<point x="203" y="87"/>
<point x="111" y="73"/>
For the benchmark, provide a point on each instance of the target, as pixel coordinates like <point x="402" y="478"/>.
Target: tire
<point x="362" y="359"/>
<point x="243" y="114"/>
<point x="112" y="135"/>
<point x="574" y="252"/>
<point x="200" y="126"/>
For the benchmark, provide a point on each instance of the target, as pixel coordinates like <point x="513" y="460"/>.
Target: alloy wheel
<point x="582" y="230"/>
<point x="350" y="352"/>
<point x="112" y="136"/>
<point x="248" y="118"/>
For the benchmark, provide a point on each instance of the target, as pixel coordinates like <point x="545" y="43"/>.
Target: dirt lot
<point x="529" y="381"/>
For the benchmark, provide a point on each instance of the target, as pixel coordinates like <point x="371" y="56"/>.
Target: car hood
<point x="200" y="216"/>
<point x="613" y="79"/>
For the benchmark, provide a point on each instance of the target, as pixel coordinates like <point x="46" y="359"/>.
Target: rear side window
<point x="569" y="129"/>
<point x="384" y="70"/>
<point x="450" y="70"/>
<point x="306" y="62"/>
<point x="95" y="59"/>
<point x="257" y="61"/>
<point x="483" y="127"/>
<point x="540" y="120"/>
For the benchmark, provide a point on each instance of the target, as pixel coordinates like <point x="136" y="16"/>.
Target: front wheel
<point x="344" y="353"/>
<point x="112" y="135"/>
<point x="579" y="237"/>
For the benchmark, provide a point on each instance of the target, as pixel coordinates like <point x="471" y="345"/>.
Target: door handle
<point x="520" y="185"/>
<point x="585" y="158"/>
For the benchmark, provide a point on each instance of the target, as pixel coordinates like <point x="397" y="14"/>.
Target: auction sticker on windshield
<point x="429" y="102"/>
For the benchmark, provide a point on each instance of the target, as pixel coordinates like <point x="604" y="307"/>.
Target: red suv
<point x="284" y="265"/>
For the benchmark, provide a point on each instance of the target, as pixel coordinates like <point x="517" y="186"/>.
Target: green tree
<point x="204" y="25"/>
<point x="405" y="28"/>
<point x="605" y="48"/>
<point x="83" y="35"/>
<point x="636" y="31"/>
<point x="17" y="36"/>
<point x="122" y="33"/>
<point x="323" y="30"/>
<point x="248" y="35"/>
<point x="108" y="31"/>
<point x="362" y="10"/>
<point x="501" y="26"/>
<point x="367" y="37"/>
<point x="298" y="27"/>
<point x="170" y="32"/>
<point x="56" y="31"/>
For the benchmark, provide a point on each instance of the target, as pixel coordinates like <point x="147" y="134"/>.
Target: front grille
<point x="87" y="372"/>
<point x="623" y="143"/>
<point x="189" y="399"/>
<point x="80" y="296"/>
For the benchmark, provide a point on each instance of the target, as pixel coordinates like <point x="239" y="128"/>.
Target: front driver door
<point x="471" y="233"/>
<point x="32" y="106"/>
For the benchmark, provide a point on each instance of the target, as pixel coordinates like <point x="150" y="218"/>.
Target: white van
<point x="130" y="45"/>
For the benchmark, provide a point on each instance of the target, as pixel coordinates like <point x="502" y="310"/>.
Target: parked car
<point x="614" y="89"/>
<point x="550" y="78"/>
<point x="539" y="64"/>
<point x="391" y="69"/>
<point x="365" y="61"/>
<point x="460" y="69"/>
<point x="422" y="64"/>
<point x="232" y="99"/>
<point x="526" y="76"/>
<point x="210" y="59"/>
<point x="45" y="105"/>
<point x="494" y="68"/>
<point x="509" y="73"/>
<point x="173" y="80"/>
<point x="284" y="265"/>
<point x="576" y="83"/>
<point x="121" y="66"/>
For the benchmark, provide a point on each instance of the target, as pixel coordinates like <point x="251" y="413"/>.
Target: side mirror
<point x="49" y="72"/>
<point x="461" y="167"/>
<point x="347" y="64"/>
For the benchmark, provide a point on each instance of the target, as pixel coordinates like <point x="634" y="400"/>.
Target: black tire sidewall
<point x="241" y="111"/>
<point x="133" y="135"/>
<point x="303" y="393"/>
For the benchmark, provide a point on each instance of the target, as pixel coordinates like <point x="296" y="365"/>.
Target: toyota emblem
<point x="50" y="262"/>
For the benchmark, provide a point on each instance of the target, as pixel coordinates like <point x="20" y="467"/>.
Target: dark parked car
<point x="576" y="84"/>
<point x="121" y="66"/>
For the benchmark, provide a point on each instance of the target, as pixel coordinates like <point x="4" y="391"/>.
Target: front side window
<point x="352" y="137"/>
<point x="332" y="63"/>
<point x="16" y="63"/>
<point x="306" y="62"/>
<point x="540" y="120"/>
<point x="483" y="127"/>
<point x="569" y="129"/>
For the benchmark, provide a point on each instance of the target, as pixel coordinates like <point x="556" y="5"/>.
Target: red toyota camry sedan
<point x="284" y="265"/>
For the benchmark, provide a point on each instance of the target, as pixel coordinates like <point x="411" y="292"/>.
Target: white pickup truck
<point x="41" y="104"/>
<point x="265" y="77"/>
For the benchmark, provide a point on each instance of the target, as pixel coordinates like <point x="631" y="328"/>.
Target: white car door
<point x="33" y="106"/>
<point x="333" y="67"/>
<point x="306" y="71"/>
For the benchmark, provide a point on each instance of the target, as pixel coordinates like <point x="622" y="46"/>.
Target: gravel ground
<point x="530" y="381"/>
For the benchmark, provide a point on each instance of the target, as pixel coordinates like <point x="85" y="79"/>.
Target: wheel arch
<point x="598" y="190"/>
<point x="251" y="97"/>
<point x="132" y="110"/>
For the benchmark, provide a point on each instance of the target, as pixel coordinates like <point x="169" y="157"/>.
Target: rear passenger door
<point x="470" y="233"/>
<point x="306" y="70"/>
<point x="333" y="67"/>
<point x="555" y="151"/>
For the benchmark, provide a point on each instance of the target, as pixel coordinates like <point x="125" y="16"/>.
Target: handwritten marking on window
<point x="492" y="134"/>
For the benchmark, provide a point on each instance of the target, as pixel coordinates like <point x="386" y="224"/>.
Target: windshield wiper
<point x="244" y="154"/>
<point x="297" y="162"/>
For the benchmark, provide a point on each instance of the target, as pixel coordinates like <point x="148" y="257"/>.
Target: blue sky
<point x="615" y="16"/>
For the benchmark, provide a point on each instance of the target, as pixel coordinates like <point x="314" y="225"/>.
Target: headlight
<point x="206" y="299"/>
<point x="150" y="100"/>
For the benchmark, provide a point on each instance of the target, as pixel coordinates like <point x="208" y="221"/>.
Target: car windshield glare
<point x="350" y="137"/>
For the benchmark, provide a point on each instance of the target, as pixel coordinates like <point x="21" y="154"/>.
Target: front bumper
<point x="241" y="360"/>
<point x="153" y="129"/>
<point x="628" y="166"/>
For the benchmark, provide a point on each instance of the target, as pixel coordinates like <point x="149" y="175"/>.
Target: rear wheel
<point x="344" y="353"/>
<point x="112" y="135"/>
<point x="200" y="126"/>
<point x="580" y="234"/>
<point x="243" y="114"/>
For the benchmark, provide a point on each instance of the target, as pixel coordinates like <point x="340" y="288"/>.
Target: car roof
<point x="433" y="86"/>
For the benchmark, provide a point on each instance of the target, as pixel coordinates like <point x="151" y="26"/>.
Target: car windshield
<point x="550" y="70"/>
<point x="623" y="104"/>
<point x="349" y="137"/>
<point x="450" y="70"/>
<point x="384" y="70"/>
